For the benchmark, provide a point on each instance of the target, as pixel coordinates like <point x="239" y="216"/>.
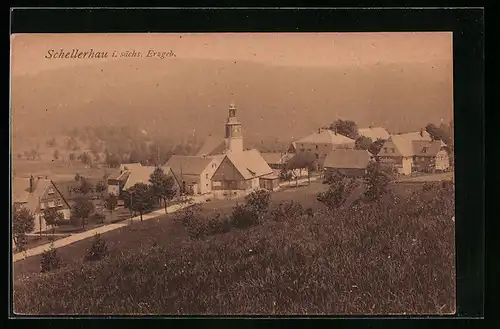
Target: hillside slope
<point x="181" y="96"/>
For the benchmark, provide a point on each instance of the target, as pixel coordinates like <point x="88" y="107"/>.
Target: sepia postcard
<point x="233" y="174"/>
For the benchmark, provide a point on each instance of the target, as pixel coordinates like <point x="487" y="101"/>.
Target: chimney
<point x="31" y="184"/>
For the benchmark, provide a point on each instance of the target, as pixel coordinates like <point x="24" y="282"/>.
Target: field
<point x="394" y="256"/>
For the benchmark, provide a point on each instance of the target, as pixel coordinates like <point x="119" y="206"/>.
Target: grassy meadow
<point x="395" y="256"/>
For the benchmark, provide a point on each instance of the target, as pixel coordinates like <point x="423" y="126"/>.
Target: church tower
<point x="234" y="137"/>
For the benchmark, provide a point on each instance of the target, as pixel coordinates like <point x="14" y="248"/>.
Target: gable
<point x="227" y="171"/>
<point x="387" y="149"/>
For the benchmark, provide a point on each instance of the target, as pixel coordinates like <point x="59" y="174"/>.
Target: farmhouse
<point x="414" y="152"/>
<point x="322" y="143"/>
<point x="194" y="173"/>
<point x="116" y="182"/>
<point x="275" y="160"/>
<point x="352" y="163"/>
<point x="37" y="194"/>
<point x="244" y="171"/>
<point x="140" y="175"/>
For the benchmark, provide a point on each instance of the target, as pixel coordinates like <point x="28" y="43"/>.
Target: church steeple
<point x="234" y="137"/>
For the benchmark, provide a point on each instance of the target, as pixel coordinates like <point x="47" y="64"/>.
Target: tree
<point x="110" y="203"/>
<point x="139" y="198"/>
<point x="345" y="127"/>
<point x="113" y="160"/>
<point x="285" y="174"/>
<point x="163" y="186"/>
<point x="363" y="143"/>
<point x="376" y="146"/>
<point x="100" y="187"/>
<point x="377" y="180"/>
<point x="98" y="250"/>
<point x="259" y="200"/>
<point x="78" y="177"/>
<point x="52" y="217"/>
<point x="85" y="158"/>
<point x="85" y="186"/>
<point x="50" y="260"/>
<point x="22" y="222"/>
<point x="338" y="192"/>
<point x="82" y="209"/>
<point x="301" y="161"/>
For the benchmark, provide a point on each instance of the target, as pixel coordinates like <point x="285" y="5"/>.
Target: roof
<point x="250" y="163"/>
<point x="374" y="133"/>
<point x="274" y="158"/>
<point x="425" y="148"/>
<point x="186" y="166"/>
<point x="129" y="166"/>
<point x="404" y="142"/>
<point x="119" y="175"/>
<point x="326" y="136"/>
<point x="141" y="175"/>
<point x="344" y="159"/>
<point x="212" y="145"/>
<point x="21" y="193"/>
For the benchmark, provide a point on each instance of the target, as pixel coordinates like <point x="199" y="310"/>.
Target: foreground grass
<point x="391" y="257"/>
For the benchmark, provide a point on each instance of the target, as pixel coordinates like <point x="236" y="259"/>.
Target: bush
<point x="259" y="200"/>
<point x="244" y="216"/>
<point x="338" y="193"/>
<point x="287" y="210"/>
<point x="193" y="221"/>
<point x="50" y="260"/>
<point x="218" y="224"/>
<point x="98" y="250"/>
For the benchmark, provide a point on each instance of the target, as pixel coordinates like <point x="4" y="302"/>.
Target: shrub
<point x="244" y="216"/>
<point x="259" y="200"/>
<point x="287" y="210"/>
<point x="50" y="260"/>
<point x="98" y="250"/>
<point x="218" y="224"/>
<point x="338" y="193"/>
<point x="193" y="221"/>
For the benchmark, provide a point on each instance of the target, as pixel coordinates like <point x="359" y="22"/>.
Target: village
<point x="222" y="169"/>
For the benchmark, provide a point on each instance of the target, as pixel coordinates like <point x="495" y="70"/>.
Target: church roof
<point x="212" y="145"/>
<point x="250" y="163"/>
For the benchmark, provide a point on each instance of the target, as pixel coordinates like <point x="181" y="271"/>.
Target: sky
<point x="28" y="51"/>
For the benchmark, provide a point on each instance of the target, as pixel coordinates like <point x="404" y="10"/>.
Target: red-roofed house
<point x="37" y="194"/>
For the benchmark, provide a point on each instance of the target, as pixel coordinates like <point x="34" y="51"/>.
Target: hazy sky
<point x="28" y="51"/>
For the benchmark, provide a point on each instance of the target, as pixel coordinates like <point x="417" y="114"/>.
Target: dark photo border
<point x="467" y="25"/>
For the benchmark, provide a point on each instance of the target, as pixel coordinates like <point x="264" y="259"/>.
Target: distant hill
<point x="178" y="97"/>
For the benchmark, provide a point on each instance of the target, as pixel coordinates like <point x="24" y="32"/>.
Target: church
<point x="240" y="170"/>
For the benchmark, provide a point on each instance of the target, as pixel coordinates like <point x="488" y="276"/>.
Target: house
<point x="414" y="151"/>
<point x="322" y="143"/>
<point x="352" y="163"/>
<point x="116" y="182"/>
<point x="37" y="194"/>
<point x="430" y="156"/>
<point x="194" y="173"/>
<point x="374" y="133"/>
<point x="140" y="175"/>
<point x="275" y="160"/>
<point x="292" y="148"/>
<point x="244" y="171"/>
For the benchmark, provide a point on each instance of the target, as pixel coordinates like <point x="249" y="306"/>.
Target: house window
<point x="316" y="147"/>
<point x="424" y="149"/>
<point x="317" y="156"/>
<point x="206" y="176"/>
<point x="385" y="149"/>
<point x="309" y="150"/>
<point x="206" y="185"/>
<point x="58" y="202"/>
<point x="393" y="150"/>
<point x="51" y="191"/>
<point x="302" y="150"/>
